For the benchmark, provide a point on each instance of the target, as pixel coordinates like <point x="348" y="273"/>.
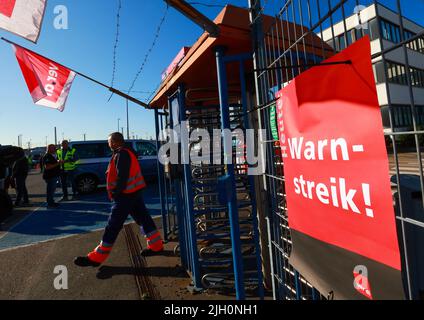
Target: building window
<point x="417" y="77"/>
<point x="358" y="34"/>
<point x="391" y="32"/>
<point x="379" y="72"/>
<point x="420" y="42"/>
<point x="342" y="42"/>
<point x="402" y="116"/>
<point x="385" y="30"/>
<point x="350" y="37"/>
<point x="396" y="73"/>
<point x="374" y="29"/>
<point x="419" y="115"/>
<point x="371" y="30"/>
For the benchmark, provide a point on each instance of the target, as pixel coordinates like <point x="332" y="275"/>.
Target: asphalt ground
<point x="28" y="272"/>
<point x="35" y="241"/>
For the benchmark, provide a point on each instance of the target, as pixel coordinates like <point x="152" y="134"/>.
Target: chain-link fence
<point x="300" y="34"/>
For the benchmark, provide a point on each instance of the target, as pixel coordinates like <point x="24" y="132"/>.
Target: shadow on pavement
<point x="107" y="272"/>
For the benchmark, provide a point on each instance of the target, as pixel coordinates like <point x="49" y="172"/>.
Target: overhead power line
<point x="153" y="93"/>
<point x="137" y="91"/>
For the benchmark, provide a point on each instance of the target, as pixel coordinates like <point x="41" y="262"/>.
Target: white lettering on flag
<point x="48" y="82"/>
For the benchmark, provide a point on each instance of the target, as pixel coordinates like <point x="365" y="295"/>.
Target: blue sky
<point x="87" y="46"/>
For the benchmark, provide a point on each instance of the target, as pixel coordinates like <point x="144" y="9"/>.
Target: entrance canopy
<point x="198" y="68"/>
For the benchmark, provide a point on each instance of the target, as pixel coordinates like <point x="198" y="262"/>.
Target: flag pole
<point x="113" y="90"/>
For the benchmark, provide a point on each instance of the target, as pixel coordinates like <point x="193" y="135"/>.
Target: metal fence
<point x="300" y="34"/>
<point x="217" y="241"/>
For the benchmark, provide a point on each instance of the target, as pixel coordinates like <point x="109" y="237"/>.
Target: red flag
<point x="48" y="82"/>
<point x="22" y="17"/>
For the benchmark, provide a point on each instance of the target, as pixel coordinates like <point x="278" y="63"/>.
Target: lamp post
<point x="128" y="123"/>
<point x="119" y="119"/>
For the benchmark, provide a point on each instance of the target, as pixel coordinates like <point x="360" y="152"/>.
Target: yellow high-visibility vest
<point x="69" y="164"/>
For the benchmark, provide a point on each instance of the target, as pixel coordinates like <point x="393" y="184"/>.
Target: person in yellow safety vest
<point x="70" y="161"/>
<point x="29" y="160"/>
<point x="125" y="183"/>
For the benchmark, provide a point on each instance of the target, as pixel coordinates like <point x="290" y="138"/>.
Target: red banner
<point x="337" y="175"/>
<point x="22" y="17"/>
<point x="48" y="82"/>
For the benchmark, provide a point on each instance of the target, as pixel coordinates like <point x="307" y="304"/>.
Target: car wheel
<point x="6" y="205"/>
<point x="87" y="184"/>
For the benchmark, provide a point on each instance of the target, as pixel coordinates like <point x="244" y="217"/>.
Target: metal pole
<point x="231" y="182"/>
<point x="182" y="223"/>
<point x="414" y="122"/>
<point x="55" y="136"/>
<point x="264" y="183"/>
<point x="185" y="152"/>
<point x="274" y="291"/>
<point x="256" y="237"/>
<point x="128" y="123"/>
<point x="160" y="175"/>
<point x="118" y="123"/>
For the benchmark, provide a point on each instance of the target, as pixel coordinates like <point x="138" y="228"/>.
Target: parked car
<point x="94" y="157"/>
<point x="36" y="159"/>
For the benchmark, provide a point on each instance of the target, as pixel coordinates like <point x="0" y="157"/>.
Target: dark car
<point x="8" y="155"/>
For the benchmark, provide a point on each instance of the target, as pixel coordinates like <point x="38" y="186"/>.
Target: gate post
<point x="230" y="178"/>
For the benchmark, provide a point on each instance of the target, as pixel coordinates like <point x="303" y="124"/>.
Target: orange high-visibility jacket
<point x="135" y="180"/>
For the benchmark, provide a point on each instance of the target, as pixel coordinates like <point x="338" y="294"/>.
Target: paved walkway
<point x="88" y="214"/>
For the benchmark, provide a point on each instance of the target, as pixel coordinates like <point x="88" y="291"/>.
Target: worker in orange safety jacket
<point x="125" y="183"/>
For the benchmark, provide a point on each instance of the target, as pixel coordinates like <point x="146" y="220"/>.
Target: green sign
<point x="273" y="120"/>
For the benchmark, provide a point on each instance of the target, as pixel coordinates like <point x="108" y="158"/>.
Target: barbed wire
<point x="146" y="57"/>
<point x="115" y="47"/>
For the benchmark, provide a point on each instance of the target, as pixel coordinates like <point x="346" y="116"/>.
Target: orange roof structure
<point x="198" y="68"/>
